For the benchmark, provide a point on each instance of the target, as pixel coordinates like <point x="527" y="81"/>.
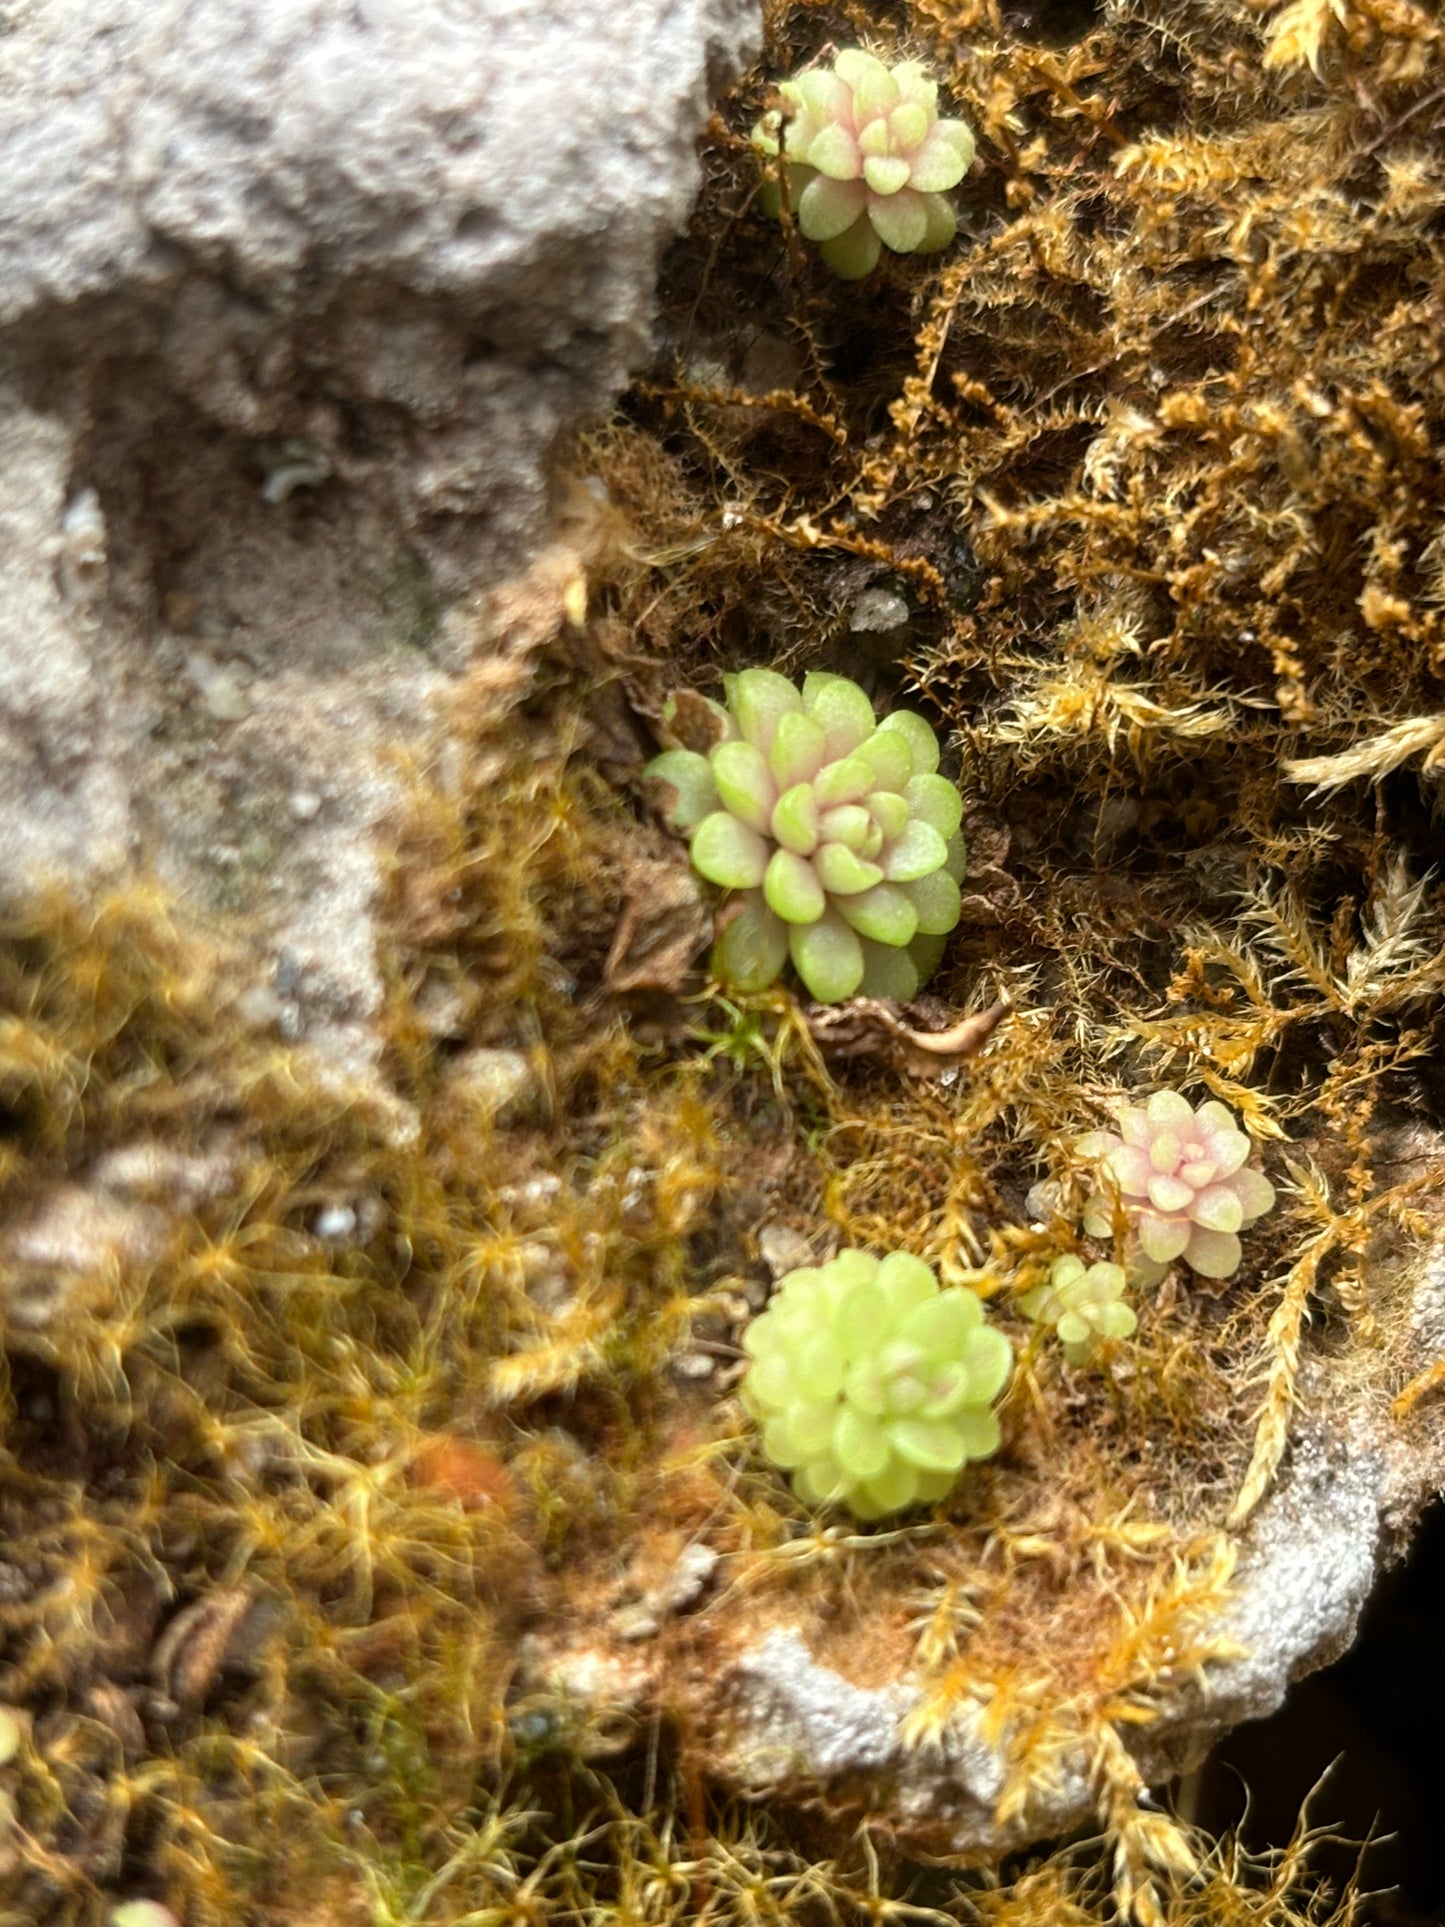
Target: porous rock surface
<point x="782" y="1720"/>
<point x="296" y="297"/>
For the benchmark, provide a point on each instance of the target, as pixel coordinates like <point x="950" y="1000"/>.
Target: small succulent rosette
<point x="1182" y="1179"/>
<point x="836" y="829"/>
<point x="869" y="161"/>
<point x="873" y="1388"/>
<point x="1084" y="1304"/>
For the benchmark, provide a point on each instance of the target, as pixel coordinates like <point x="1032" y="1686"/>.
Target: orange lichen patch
<point x="463" y="1470"/>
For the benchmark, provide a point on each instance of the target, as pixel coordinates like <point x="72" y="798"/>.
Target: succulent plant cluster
<point x="869" y="161"/>
<point x="836" y="828"/>
<point x="872" y="1386"/>
<point x="1083" y="1303"/>
<point x="1180" y="1177"/>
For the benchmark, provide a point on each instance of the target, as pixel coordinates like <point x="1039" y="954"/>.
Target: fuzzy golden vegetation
<point x="1154" y="457"/>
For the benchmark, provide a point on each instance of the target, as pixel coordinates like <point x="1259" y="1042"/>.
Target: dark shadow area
<point x="1373" y="1721"/>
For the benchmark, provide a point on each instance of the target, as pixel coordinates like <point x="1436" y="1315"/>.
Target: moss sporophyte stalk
<point x="873" y="1388"/>
<point x="836" y="830"/>
<point x="868" y="159"/>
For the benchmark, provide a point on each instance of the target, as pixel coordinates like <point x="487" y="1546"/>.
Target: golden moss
<point x="1153" y="458"/>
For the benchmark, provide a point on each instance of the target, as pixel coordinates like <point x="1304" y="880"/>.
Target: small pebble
<point x="336" y="1224"/>
<point x="304" y="805"/>
<point x="876" y="611"/>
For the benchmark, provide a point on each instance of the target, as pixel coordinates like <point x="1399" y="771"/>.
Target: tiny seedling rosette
<point x="869" y="160"/>
<point x="835" y="830"/>
<point x="872" y="1387"/>
<point x="1084" y="1304"/>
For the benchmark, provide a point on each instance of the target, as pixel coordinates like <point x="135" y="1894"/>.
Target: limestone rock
<point x="294" y="304"/>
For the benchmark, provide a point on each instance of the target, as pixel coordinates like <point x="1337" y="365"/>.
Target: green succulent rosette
<point x="835" y="830"/>
<point x="869" y="160"/>
<point x="1084" y="1304"/>
<point x="873" y="1388"/>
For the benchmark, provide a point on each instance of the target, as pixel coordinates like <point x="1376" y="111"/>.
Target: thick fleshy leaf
<point x="854" y="1267"/>
<point x="942" y="223"/>
<point x="842" y="708"/>
<point x="883" y="913"/>
<point x="907" y="1282"/>
<point x="1255" y="1193"/>
<point x="914" y="84"/>
<point x="894" y="1489"/>
<point x="795" y="819"/>
<point x="863" y="1387"/>
<point x="886" y="173"/>
<point x="823" y="93"/>
<point x="874" y="139"/>
<point x="978" y="1432"/>
<point x="935" y="801"/>
<point x="745" y="783"/>
<point x="990" y="1359"/>
<point x="1168" y="1110"/>
<point x="689" y="776"/>
<point x="960" y="135"/>
<point x="1133" y="1125"/>
<point x="890" y="972"/>
<point x="889" y="811"/>
<point x="752" y="949"/>
<point x="956" y="862"/>
<point x="859" y="1319"/>
<point x="781" y="1446"/>
<point x="935" y="163"/>
<point x="820" y="1364"/>
<point x="1165" y="1151"/>
<point x="769" y="1383"/>
<point x="827" y="207"/>
<point x="1164" y="1239"/>
<point x="944" y="1323"/>
<point x="1227" y="1150"/>
<point x="888" y="756"/>
<point x="899" y="220"/>
<point x="937" y="900"/>
<point x="850" y="780"/>
<point x="914" y="854"/>
<point x="909" y="127"/>
<point x="791" y="888"/>
<point x="820" y="1481"/>
<point x="797" y="752"/>
<point x="846" y="823"/>
<point x="1213" y="1254"/>
<point x="1129" y="1166"/>
<point x="1115" y="1321"/>
<point x="875" y="91"/>
<point x="1172" y="1194"/>
<point x="834" y="152"/>
<point x="860" y="1445"/>
<point x="828" y="956"/>
<point x="854" y="254"/>
<point x="758" y="698"/>
<point x="841" y="873"/>
<point x="933" y="1445"/>
<point x="728" y="853"/>
<point x="1218" y="1209"/>
<point x="921" y="741"/>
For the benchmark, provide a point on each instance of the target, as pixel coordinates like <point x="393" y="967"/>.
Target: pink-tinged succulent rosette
<point x="1183" y="1182"/>
<point x="869" y="160"/>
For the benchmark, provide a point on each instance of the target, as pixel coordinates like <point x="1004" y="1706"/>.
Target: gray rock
<point x="295" y="301"/>
<point x="785" y="1722"/>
